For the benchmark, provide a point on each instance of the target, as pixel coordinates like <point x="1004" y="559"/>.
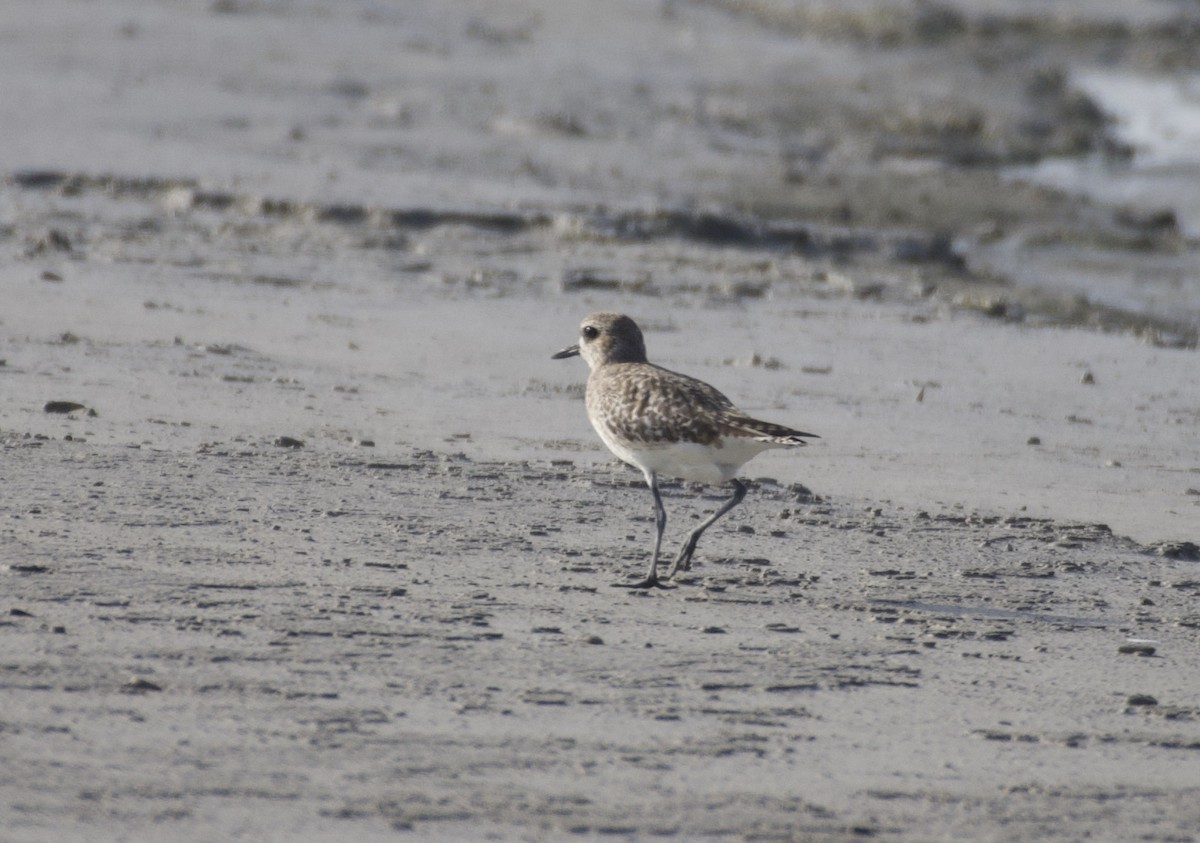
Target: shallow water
<point x="992" y="613"/>
<point x="1158" y="119"/>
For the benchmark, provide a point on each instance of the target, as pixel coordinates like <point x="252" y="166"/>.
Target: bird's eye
<point x="591" y="332"/>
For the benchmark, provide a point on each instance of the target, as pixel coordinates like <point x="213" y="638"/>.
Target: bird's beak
<point x="569" y="351"/>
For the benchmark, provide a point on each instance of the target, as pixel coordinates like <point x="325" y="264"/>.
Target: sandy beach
<point x="305" y="535"/>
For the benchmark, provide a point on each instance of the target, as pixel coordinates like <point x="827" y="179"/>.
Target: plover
<point x="666" y="423"/>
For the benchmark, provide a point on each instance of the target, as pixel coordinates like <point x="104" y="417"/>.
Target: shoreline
<point x="327" y="547"/>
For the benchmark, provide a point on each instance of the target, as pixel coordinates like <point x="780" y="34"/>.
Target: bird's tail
<point x="763" y="431"/>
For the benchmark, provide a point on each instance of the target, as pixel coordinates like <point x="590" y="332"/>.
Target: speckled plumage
<point x="664" y="422"/>
<point x="645" y="405"/>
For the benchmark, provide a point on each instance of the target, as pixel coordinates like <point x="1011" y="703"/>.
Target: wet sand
<point x="327" y="546"/>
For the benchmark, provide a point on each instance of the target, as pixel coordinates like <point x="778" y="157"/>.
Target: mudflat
<point x="303" y="534"/>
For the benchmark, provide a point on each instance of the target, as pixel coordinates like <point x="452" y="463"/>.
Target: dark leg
<point x="660" y="522"/>
<point x="684" y="560"/>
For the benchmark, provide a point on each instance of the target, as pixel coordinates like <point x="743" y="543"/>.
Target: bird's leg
<point x="660" y="522"/>
<point x="684" y="560"/>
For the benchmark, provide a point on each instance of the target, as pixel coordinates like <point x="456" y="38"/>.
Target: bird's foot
<point x="680" y="565"/>
<point x="683" y="562"/>
<point x="648" y="582"/>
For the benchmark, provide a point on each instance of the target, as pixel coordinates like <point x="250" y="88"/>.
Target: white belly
<point x="687" y="460"/>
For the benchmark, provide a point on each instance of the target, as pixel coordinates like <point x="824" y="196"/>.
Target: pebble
<point x="138" y="685"/>
<point x="1136" y="649"/>
<point x="65" y="407"/>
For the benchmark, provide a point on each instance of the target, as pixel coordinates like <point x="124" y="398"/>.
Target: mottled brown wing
<point x="641" y="402"/>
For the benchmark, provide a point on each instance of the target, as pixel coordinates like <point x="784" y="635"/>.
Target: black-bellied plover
<point x="667" y="423"/>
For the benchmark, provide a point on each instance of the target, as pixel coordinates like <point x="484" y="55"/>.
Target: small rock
<point x="288" y="442"/>
<point x="65" y="407"/>
<point x="801" y="493"/>
<point x="138" y="685"/>
<point x="1136" y="649"/>
<point x="1088" y="378"/>
<point x="1033" y="440"/>
<point x="782" y="627"/>
<point x="994" y="734"/>
<point x="1141" y="699"/>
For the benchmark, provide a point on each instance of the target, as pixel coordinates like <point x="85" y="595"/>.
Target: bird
<point x="666" y="423"/>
